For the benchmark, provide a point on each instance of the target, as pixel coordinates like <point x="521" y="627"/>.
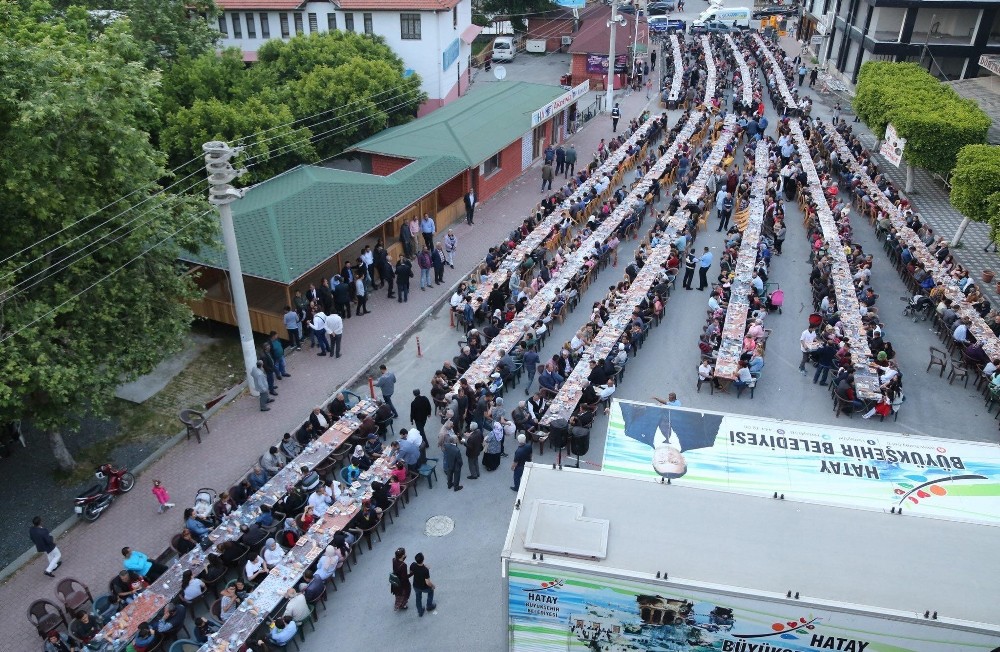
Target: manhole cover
<point x="439" y="526"/>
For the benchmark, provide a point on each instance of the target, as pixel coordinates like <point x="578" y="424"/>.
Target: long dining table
<point x="122" y="627"/>
<point x="907" y="237"/>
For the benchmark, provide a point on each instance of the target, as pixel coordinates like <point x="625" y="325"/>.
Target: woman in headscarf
<point x="494" y="437"/>
<point x="272" y="553"/>
<point x="359" y="459"/>
<point x="399" y="584"/>
<point x="328" y="563"/>
<point x="255" y="569"/>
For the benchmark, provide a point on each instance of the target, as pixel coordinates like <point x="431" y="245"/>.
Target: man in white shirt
<point x="297" y="607"/>
<point x="334" y="326"/>
<point x="961" y="332"/>
<point x="319" y="332"/>
<point x="807" y="338"/>
<point x="320" y="501"/>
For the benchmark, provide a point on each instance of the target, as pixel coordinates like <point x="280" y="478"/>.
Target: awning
<point x="470" y="33"/>
<point x="249" y="56"/>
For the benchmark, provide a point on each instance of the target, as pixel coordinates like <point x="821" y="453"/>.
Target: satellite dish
<point x="499" y="72"/>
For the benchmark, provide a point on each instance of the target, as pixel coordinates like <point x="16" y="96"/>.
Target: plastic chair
<point x="184" y="645"/>
<point x="939" y="358"/>
<point x="73" y="593"/>
<point x="428" y="469"/>
<point x="45" y="615"/>
<point x="194" y="421"/>
<point x="104" y="607"/>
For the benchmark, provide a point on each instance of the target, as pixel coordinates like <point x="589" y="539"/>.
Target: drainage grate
<point x="439" y="526"/>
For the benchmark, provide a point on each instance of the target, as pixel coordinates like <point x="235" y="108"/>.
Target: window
<point x="298" y="23"/>
<point x="409" y="26"/>
<point x="368" y="24"/>
<point x="222" y="25"/>
<point x="283" y="19"/>
<point x="237" y="29"/>
<point x="492" y="165"/>
<point x="349" y="22"/>
<point x="265" y="25"/>
<point x="331" y="22"/>
<point x="313" y="23"/>
<point x="251" y="26"/>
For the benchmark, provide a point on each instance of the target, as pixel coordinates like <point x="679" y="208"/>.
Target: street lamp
<point x="617" y="20"/>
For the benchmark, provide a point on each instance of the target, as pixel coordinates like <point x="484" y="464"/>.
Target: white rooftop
<point x="824" y="553"/>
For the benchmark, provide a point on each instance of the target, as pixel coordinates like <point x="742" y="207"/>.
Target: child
<point x="162" y="496"/>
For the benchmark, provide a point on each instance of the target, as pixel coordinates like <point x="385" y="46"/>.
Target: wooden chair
<point x="938" y="357"/>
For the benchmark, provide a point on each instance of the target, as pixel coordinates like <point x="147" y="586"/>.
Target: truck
<point x="600" y="560"/>
<point x="732" y="16"/>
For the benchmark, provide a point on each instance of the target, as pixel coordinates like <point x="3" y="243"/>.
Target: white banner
<point x="559" y="103"/>
<point x="892" y="146"/>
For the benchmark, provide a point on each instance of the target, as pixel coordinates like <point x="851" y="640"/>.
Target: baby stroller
<point x="775" y="300"/>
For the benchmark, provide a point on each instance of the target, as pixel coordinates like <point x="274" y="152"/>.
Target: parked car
<point x="504" y="49"/>
<point x="626" y="8"/>
<point x="712" y="27"/>
<point x="660" y="8"/>
<point x="775" y="10"/>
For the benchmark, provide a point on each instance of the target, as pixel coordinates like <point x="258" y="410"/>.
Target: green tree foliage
<point x="70" y="110"/>
<point x="338" y="87"/>
<point x="975" y="180"/>
<point x="272" y="141"/>
<point x="935" y="121"/>
<point x="516" y="10"/>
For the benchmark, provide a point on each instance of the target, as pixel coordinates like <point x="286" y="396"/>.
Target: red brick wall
<point x="383" y="165"/>
<point x="452" y="190"/>
<point x="510" y="169"/>
<point x="550" y="30"/>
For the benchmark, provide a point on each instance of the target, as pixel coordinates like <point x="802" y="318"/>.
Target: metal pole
<point x="610" y="102"/>
<point x="222" y="195"/>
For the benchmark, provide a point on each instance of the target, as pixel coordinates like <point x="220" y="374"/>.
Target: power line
<point x="102" y="279"/>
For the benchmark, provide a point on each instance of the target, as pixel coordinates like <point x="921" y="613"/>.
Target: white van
<point x="734" y="17"/>
<point x="504" y="48"/>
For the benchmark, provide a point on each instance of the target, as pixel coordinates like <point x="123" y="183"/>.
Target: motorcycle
<point x="95" y="500"/>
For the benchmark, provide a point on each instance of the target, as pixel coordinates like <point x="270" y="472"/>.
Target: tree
<point x="368" y="95"/>
<point x="935" y="121"/>
<point x="975" y="185"/>
<point x="272" y="143"/>
<point x="163" y="30"/>
<point x="83" y="306"/>
<point x="515" y="10"/>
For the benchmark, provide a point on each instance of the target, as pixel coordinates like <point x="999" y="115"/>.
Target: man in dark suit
<point x="470" y="206"/>
<point x="453" y="463"/>
<point x="670" y="432"/>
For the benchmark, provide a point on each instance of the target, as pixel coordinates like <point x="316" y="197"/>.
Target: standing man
<point x="453" y="463"/>
<point x="427" y="228"/>
<point x="388" y="274"/>
<point x="387" y="383"/>
<point x="333" y="328"/>
<point x="521" y="455"/>
<point x="546" y="176"/>
<point x="812" y="76"/>
<point x="802" y="72"/>
<point x="725" y="212"/>
<point x="805" y="343"/>
<point x="690" y="263"/>
<point x="260" y="384"/>
<point x="425" y="262"/>
<point x="450" y="245"/>
<point x="616" y="114"/>
<point x="437" y="260"/>
<point x="278" y="353"/>
<point x="420" y="411"/>
<point x="404" y="272"/>
<point x="44" y="542"/>
<point x="292" y="325"/>
<point x="270" y="370"/>
<point x="342" y="297"/>
<point x="570" y="161"/>
<point x="652" y="60"/>
<point x="560" y="158"/>
<point x="470" y="206"/>
<point x="422" y="583"/>
<point x="474" y="443"/>
<point x="319" y="332"/>
<point x="704" y="264"/>
<point x="361" y="296"/>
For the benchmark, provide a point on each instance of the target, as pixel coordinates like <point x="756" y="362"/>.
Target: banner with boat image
<point x="576" y="611"/>
<point x="833" y="465"/>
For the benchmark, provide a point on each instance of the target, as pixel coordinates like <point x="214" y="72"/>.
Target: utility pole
<point x="221" y="195"/>
<point x="615" y="21"/>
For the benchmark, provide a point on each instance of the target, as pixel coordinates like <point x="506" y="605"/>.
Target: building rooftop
<point x="260" y="4"/>
<point x="400" y="5"/>
<point x="291" y="224"/>
<point x="594" y="36"/>
<point x="472" y="128"/>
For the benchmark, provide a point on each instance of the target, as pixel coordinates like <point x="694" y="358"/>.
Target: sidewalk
<point x="929" y="197"/>
<point x="240" y="432"/>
